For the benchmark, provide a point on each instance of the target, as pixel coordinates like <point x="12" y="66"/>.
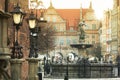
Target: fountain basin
<point x="81" y="45"/>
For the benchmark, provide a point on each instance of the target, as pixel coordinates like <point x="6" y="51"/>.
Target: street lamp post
<point x="18" y="16"/>
<point x="33" y="35"/>
<point x="66" y="76"/>
<point x="17" y="55"/>
<point x="44" y="65"/>
<point x="34" y="28"/>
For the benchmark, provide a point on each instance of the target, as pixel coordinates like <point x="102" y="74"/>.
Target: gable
<point x="51" y="15"/>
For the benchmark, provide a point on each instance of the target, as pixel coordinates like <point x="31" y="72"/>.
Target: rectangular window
<point x="93" y="36"/>
<point x="61" y="42"/>
<point x="93" y="42"/>
<point x="48" y="19"/>
<point x="74" y="41"/>
<point x="54" y="19"/>
<point x="71" y="28"/>
<point x="55" y="28"/>
<point x="61" y="28"/>
<point x="68" y="42"/>
<point x="56" y="42"/>
<point x="93" y="26"/>
<point x="88" y="26"/>
<point x="32" y="4"/>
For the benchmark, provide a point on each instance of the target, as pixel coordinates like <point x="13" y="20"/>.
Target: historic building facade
<point x="110" y="35"/>
<point x="65" y="23"/>
<point x="115" y="27"/>
<point x="105" y="33"/>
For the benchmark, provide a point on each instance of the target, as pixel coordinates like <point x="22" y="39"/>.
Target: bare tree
<point x="46" y="39"/>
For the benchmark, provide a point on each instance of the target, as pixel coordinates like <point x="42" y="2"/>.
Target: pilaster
<point x="16" y="65"/>
<point x="33" y="68"/>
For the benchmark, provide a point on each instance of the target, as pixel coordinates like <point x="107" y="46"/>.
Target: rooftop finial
<point x="81" y="5"/>
<point x="50" y="2"/>
<point x="90" y="7"/>
<point x="51" y="6"/>
<point x="81" y="11"/>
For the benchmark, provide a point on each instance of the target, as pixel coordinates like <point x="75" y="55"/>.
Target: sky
<point x="76" y="3"/>
<point x="98" y="5"/>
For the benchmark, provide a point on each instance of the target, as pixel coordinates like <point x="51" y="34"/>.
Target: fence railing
<point x="92" y="70"/>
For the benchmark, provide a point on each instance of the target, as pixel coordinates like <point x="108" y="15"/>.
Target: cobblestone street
<point x="85" y="79"/>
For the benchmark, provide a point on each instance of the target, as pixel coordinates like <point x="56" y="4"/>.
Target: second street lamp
<point x="32" y="21"/>
<point x="33" y="35"/>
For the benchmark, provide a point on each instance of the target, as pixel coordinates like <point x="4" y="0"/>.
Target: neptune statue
<point x="82" y="31"/>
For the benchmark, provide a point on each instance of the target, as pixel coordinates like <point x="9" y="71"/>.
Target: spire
<point x="90" y="7"/>
<point x="81" y="12"/>
<point x="50" y="2"/>
<point x="51" y="6"/>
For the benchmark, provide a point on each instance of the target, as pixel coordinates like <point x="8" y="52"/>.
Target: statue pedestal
<point x="16" y="65"/>
<point x="33" y="68"/>
<point x="82" y="53"/>
<point x="81" y="41"/>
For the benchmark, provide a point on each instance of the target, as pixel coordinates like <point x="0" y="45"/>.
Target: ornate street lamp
<point x="32" y="21"/>
<point x="18" y="16"/>
<point x="34" y="28"/>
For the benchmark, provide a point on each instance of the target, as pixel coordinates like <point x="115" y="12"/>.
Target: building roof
<point x="72" y="16"/>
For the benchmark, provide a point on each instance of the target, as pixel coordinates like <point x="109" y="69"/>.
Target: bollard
<point x="66" y="77"/>
<point x="39" y="75"/>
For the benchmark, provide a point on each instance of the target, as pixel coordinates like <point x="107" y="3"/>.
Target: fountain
<point x="73" y="69"/>
<point x="82" y="67"/>
<point x="81" y="46"/>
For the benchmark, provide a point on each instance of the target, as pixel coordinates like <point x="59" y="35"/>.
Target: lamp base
<point x="16" y="51"/>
